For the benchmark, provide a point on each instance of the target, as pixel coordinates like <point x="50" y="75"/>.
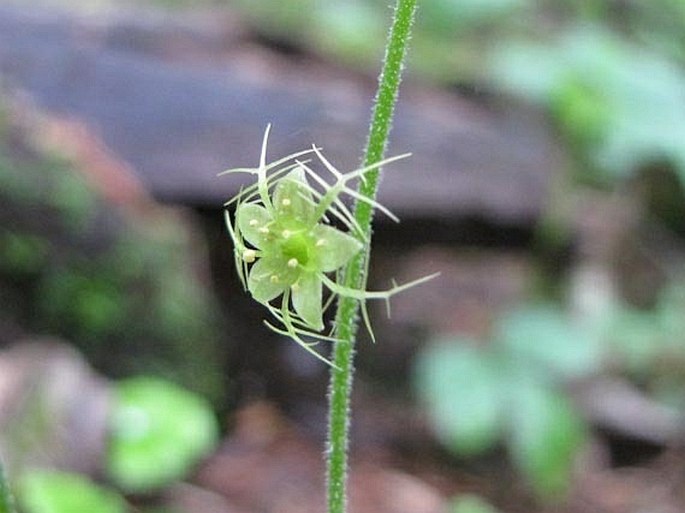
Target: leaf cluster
<point x="159" y="431"/>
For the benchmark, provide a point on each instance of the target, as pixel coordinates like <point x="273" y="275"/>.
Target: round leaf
<point x="59" y="492"/>
<point x="461" y="387"/>
<point x="159" y="431"/>
<point x="543" y="336"/>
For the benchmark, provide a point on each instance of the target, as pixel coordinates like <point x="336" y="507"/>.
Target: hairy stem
<point x="355" y="272"/>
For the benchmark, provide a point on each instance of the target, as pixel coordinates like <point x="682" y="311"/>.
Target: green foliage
<point x="6" y="499"/>
<point x="542" y="336"/>
<point x="462" y="389"/>
<point x="622" y="106"/>
<point x="121" y="286"/>
<point x="22" y="253"/>
<point x="546" y="432"/>
<point x="59" y="492"/>
<point x="648" y="346"/>
<point x="449" y="15"/>
<point x="450" y="35"/>
<point x="468" y="503"/>
<point x="511" y="391"/>
<point x="159" y="431"/>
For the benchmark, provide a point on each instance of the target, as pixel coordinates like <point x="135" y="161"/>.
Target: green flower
<point x="293" y="249"/>
<point x="285" y="244"/>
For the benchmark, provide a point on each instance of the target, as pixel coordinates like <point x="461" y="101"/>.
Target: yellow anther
<point x="320" y="242"/>
<point x="293" y="263"/>
<point x="249" y="255"/>
<point x="253" y="222"/>
<point x="274" y="278"/>
<point x="263" y="229"/>
<point x="286" y="202"/>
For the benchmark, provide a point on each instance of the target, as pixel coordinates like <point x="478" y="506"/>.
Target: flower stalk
<point x="355" y="271"/>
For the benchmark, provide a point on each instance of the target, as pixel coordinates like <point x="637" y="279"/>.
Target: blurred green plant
<point x="648" y="346"/>
<point x="469" y="503"/>
<point x="450" y="35"/>
<point x="512" y="390"/>
<point x="6" y="499"/>
<point x="159" y="432"/>
<point x="43" y="491"/>
<point x="620" y="105"/>
<point x="121" y="285"/>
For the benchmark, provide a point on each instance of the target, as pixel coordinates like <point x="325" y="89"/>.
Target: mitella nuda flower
<point x="286" y="245"/>
<point x="293" y="249"/>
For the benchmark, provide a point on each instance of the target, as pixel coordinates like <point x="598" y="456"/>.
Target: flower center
<point x="297" y="246"/>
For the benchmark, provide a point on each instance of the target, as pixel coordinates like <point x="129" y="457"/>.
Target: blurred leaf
<point x="468" y="503"/>
<point x="543" y="336"/>
<point x="635" y="339"/>
<point x="461" y="387"/>
<point x="6" y="503"/>
<point x="546" y="435"/>
<point x="58" y="492"/>
<point x="89" y="301"/>
<point x="671" y="320"/>
<point x="631" y="100"/>
<point x="159" y="432"/>
<point x="73" y="199"/>
<point x="454" y="15"/>
<point x="23" y="253"/>
<point x="352" y="29"/>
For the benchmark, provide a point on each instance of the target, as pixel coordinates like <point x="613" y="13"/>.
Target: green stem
<point x="355" y="272"/>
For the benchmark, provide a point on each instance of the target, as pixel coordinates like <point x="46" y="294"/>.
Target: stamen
<point x="286" y="202"/>
<point x="253" y="222"/>
<point x="274" y="278"/>
<point x="320" y="242"/>
<point x="263" y="229"/>
<point x="293" y="263"/>
<point x="249" y="255"/>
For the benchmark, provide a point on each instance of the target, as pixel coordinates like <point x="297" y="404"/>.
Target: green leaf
<point x="59" y="492"/>
<point x="336" y="248"/>
<point x="546" y="434"/>
<point x="251" y="219"/>
<point x="461" y="387"/>
<point x="468" y="503"/>
<point x="307" y="297"/>
<point x="543" y="336"/>
<point x="159" y="431"/>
